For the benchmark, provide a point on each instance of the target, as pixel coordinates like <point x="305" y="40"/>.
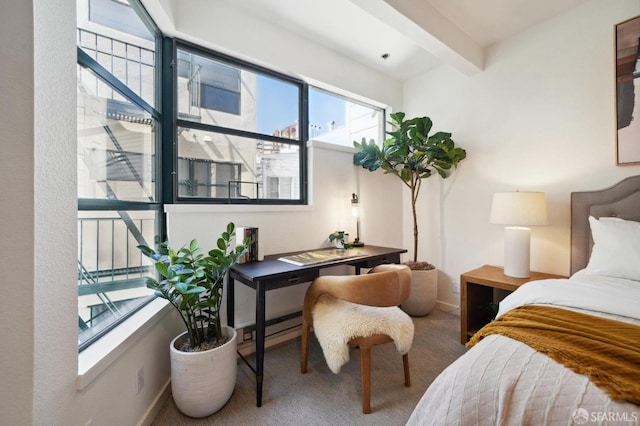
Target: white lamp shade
<point x="519" y="208"/>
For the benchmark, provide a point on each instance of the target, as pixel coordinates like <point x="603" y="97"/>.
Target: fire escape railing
<point x="106" y="267"/>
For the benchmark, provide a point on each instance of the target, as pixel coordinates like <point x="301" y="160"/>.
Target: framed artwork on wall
<point x="627" y="35"/>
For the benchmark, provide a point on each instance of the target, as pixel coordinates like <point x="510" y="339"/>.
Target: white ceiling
<point x="417" y="34"/>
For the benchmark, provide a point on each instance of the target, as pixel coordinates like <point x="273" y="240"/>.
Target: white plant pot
<point x="424" y="293"/>
<point x="202" y="382"/>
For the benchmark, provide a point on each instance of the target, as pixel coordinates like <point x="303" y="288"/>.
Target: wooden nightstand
<point x="483" y="286"/>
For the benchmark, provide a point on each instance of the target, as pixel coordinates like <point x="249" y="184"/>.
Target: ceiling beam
<point x="429" y="29"/>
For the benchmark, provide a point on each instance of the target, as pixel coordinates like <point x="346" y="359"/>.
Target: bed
<point x="503" y="381"/>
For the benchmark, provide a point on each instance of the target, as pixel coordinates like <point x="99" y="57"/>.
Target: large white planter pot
<point x="424" y="293"/>
<point x="202" y="382"/>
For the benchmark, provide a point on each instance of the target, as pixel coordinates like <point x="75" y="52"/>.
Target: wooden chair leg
<point x="305" y="347"/>
<point x="407" y="376"/>
<point x="365" y="378"/>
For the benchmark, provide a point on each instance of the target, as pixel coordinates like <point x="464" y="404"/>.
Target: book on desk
<point x="319" y="256"/>
<point x="250" y="233"/>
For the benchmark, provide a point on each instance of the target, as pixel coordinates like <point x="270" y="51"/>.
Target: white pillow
<point x="616" y="248"/>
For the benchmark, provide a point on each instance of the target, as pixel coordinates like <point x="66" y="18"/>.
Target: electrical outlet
<point x="456" y="286"/>
<point x="140" y="379"/>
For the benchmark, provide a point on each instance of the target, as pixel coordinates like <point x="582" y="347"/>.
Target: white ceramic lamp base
<point x="517" y="245"/>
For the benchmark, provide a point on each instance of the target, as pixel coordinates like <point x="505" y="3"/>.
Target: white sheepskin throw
<point x="336" y="321"/>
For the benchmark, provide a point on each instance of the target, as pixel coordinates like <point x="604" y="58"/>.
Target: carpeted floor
<point x="323" y="398"/>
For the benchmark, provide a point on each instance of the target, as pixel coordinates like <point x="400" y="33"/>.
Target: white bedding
<point x="502" y="381"/>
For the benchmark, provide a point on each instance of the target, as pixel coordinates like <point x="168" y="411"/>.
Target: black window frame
<point x="170" y="165"/>
<point x="87" y="204"/>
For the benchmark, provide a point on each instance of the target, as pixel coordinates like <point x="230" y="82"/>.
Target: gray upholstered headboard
<point x="620" y="200"/>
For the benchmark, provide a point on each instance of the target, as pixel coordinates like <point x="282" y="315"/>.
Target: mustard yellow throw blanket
<point x="605" y="350"/>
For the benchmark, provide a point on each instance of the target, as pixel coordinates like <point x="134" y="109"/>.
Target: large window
<point x="239" y="135"/>
<point x="233" y="132"/>
<point x="117" y="151"/>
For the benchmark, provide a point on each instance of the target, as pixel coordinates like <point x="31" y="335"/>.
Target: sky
<point x="277" y="106"/>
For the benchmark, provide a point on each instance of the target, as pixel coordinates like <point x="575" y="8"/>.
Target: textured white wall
<point x="16" y="210"/>
<point x="540" y="117"/>
<point x="55" y="186"/>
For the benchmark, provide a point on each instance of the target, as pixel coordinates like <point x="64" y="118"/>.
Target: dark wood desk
<point x="272" y="273"/>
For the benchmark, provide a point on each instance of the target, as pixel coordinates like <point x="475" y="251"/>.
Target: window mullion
<point x="88" y="62"/>
<point x="237" y="132"/>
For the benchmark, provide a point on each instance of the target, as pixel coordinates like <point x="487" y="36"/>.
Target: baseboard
<point x="449" y="308"/>
<point x="157" y="404"/>
<point x="249" y="347"/>
<point x="277" y="331"/>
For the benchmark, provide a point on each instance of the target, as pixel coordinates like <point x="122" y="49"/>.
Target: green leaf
<point x="146" y="250"/>
<point x="195" y="290"/>
<point x="162" y="269"/>
<point x="397" y="117"/>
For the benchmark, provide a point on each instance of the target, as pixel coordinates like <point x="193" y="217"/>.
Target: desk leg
<point x="260" y="331"/>
<point x="230" y="301"/>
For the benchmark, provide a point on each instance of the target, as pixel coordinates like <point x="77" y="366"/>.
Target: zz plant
<point x="412" y="155"/>
<point x="193" y="282"/>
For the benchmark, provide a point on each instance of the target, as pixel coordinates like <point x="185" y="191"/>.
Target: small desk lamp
<point x="355" y="212"/>
<point x="518" y="210"/>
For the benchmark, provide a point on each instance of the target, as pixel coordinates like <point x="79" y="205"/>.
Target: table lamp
<point x="355" y="212"/>
<point x="518" y="210"/>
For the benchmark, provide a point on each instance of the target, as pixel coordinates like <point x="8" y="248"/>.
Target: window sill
<point x="330" y="146"/>
<point x="233" y="208"/>
<point x="100" y="355"/>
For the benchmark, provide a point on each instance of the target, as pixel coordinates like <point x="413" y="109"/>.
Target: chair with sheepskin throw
<point x="362" y="311"/>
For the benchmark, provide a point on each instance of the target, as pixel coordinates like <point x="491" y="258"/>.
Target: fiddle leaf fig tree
<point x="412" y="155"/>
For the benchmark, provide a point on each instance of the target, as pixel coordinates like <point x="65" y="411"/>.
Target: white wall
<point x="16" y="210"/>
<point x="540" y="117"/>
<point x="55" y="300"/>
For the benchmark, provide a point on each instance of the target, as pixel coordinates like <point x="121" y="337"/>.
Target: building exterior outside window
<point x="248" y="120"/>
